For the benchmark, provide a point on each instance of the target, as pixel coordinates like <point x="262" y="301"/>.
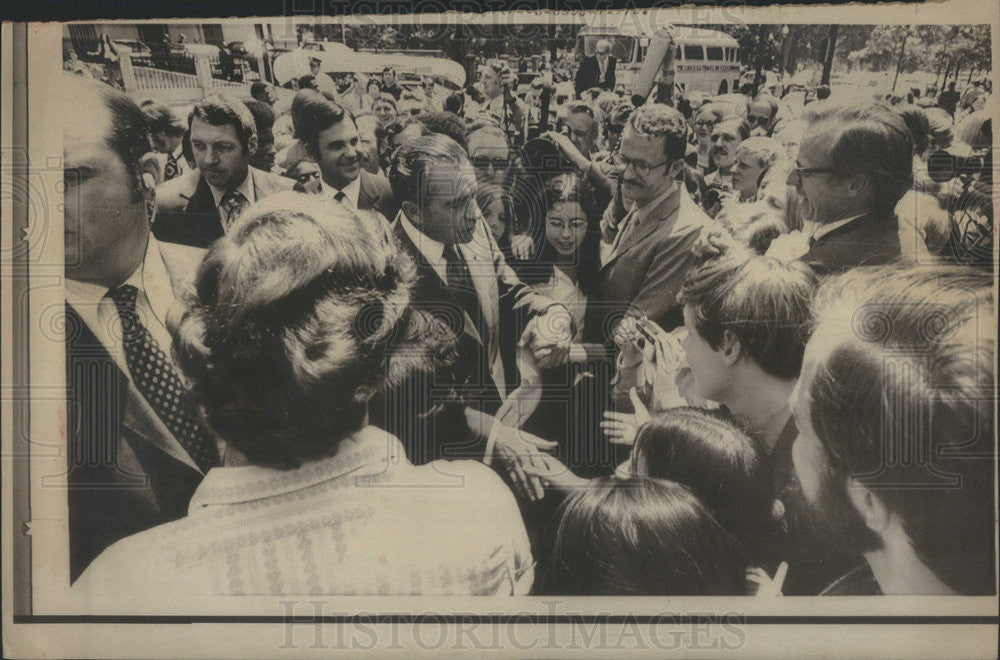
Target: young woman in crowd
<point x="641" y="537"/>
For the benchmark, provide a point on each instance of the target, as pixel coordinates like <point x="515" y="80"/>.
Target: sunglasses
<point x="757" y="121"/>
<point x="704" y="123"/>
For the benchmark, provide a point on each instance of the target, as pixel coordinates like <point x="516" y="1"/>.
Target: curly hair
<point x="296" y="319"/>
<point x="654" y="120"/>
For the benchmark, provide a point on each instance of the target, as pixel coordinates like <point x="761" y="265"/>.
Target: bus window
<point x="694" y="53"/>
<point x="715" y="53"/>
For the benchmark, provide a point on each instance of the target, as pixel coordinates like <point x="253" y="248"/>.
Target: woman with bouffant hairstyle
<point x="297" y="317"/>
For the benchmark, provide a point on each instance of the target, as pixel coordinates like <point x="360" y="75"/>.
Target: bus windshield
<point x="622" y="48"/>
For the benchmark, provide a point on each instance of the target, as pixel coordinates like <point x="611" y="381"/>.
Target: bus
<point x="704" y="60"/>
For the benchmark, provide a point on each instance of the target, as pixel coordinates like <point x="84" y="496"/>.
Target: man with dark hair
<point x="747" y="321"/>
<point x="263" y="92"/>
<point x="166" y="133"/>
<point x="644" y="266"/>
<point x="895" y="411"/>
<point x="445" y="123"/>
<point x="854" y="164"/>
<point x="597" y="70"/>
<point x="463" y="279"/>
<point x="135" y="451"/>
<point x="331" y="138"/>
<point x="263" y="116"/>
<point x="948" y="99"/>
<point x="197" y="208"/>
<point x="389" y="83"/>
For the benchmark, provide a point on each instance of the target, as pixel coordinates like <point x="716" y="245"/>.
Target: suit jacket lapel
<point x="201" y="201"/>
<point x="433" y="287"/>
<point x="664" y="213"/>
<point x="133" y="414"/>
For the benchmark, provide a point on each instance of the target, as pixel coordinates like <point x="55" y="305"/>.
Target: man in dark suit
<point x="197" y="208"/>
<point x="644" y="266"/>
<point x="331" y="138"/>
<point x="597" y="70"/>
<point x="463" y="280"/>
<point x="135" y="449"/>
<point x="854" y="164"/>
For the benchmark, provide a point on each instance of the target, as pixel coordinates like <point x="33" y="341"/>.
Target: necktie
<point x="171" y="170"/>
<point x="231" y="206"/>
<point x="461" y="286"/>
<point x="155" y="378"/>
<point x="624" y="230"/>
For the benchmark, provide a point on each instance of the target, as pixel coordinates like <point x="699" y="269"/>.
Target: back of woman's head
<point x="720" y="463"/>
<point x="641" y="536"/>
<point x="288" y="330"/>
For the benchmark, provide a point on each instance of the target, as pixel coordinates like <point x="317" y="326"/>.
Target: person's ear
<point x="777" y="511"/>
<point x="411" y="211"/>
<point x="730" y="349"/>
<point x="857" y="185"/>
<point x="674" y="169"/>
<point x="252" y="145"/>
<point x="872" y="509"/>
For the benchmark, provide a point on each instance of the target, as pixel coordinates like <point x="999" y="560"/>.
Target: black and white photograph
<point x="570" y="316"/>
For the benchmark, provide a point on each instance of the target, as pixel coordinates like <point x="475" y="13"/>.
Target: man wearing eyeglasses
<point x="643" y="268"/>
<point x="853" y="166"/>
<point x="597" y="70"/>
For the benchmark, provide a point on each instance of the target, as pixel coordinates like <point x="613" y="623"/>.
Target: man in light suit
<point x="136" y="450"/>
<point x="331" y="138"/>
<point x="198" y="207"/>
<point x="643" y="268"/>
<point x="597" y="70"/>
<point x="462" y="279"/>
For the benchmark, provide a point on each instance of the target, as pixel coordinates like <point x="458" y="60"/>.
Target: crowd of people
<point x="380" y="342"/>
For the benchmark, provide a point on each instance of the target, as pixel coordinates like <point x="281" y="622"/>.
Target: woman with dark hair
<point x="641" y="537"/>
<point x="297" y="317"/>
<point x="568" y="264"/>
<point x="721" y="464"/>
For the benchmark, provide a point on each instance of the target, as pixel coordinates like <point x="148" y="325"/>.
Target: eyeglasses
<point x="808" y="171"/>
<point x="705" y="123"/>
<point x="496" y="164"/>
<point x="641" y="168"/>
<point x="757" y="121"/>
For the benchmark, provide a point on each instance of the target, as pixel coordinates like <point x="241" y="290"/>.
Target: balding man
<point x="598" y="70"/>
<point x="136" y="450"/>
<point x="854" y="164"/>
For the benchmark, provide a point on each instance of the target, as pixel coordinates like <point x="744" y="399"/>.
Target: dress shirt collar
<point x="246" y="188"/>
<point x="818" y="231"/>
<point x="432" y="250"/>
<point x="653" y="204"/>
<point x="351" y="190"/>
<point x="150" y="278"/>
<point x="368" y="453"/>
<point x="178" y="155"/>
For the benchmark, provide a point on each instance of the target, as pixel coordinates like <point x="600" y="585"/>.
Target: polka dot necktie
<point x="171" y="171"/>
<point x="231" y="205"/>
<point x="155" y="378"/>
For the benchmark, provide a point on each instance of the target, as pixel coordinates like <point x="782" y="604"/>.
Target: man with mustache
<point x="726" y="138"/>
<point x="199" y="206"/>
<point x="644" y="267"/>
<point x="330" y="135"/>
